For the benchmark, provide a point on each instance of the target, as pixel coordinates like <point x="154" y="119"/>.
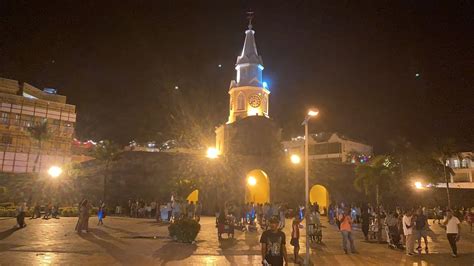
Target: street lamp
<point x="55" y="171"/>
<point x="212" y="153"/>
<point x="418" y="185"/>
<point x="295" y="159"/>
<point x="311" y="113"/>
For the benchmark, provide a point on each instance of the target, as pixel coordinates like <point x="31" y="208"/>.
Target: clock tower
<point x="248" y="93"/>
<point x="249" y="129"/>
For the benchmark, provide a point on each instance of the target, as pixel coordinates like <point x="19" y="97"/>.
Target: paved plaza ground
<point x="127" y="241"/>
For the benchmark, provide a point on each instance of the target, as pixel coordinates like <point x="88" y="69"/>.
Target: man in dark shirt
<point x="273" y="245"/>
<point x="421" y="229"/>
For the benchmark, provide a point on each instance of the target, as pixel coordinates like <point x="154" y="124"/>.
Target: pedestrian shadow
<point x="113" y="250"/>
<point x="6" y="246"/>
<point x="251" y="239"/>
<point x="121" y="230"/>
<point x="106" y="236"/>
<point x="173" y="251"/>
<point x="5" y="234"/>
<point x="227" y="243"/>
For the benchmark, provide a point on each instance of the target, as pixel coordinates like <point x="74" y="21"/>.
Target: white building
<point x="330" y="146"/>
<point x="463" y="167"/>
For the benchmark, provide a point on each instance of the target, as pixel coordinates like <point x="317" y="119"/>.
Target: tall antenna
<point x="250" y="15"/>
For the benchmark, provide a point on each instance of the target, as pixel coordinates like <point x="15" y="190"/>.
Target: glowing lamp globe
<point x="295" y="159"/>
<point x="55" y="171"/>
<point x="313" y="112"/>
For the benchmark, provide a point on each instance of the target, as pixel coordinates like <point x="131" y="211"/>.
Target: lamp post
<point x="311" y="113"/>
<point x="212" y="153"/>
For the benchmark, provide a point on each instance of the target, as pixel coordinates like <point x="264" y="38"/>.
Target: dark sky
<point x="356" y="60"/>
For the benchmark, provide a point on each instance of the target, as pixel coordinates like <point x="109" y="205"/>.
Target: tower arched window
<point x="241" y="102"/>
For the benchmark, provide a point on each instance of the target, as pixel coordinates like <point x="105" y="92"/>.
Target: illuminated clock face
<point x="255" y="101"/>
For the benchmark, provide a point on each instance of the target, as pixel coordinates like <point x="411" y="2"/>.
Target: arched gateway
<point x="257" y="187"/>
<point x="319" y="194"/>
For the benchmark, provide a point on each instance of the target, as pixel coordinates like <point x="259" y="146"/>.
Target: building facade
<point x="23" y="109"/>
<point x="330" y="146"/>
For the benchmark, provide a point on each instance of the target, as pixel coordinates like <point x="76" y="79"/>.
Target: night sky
<point x="377" y="70"/>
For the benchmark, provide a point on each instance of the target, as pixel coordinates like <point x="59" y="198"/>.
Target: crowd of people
<point x="166" y="212"/>
<point x="400" y="228"/>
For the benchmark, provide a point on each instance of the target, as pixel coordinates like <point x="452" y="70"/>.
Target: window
<point x="7" y="139"/>
<point x="464" y="163"/>
<point x="241" y="102"/>
<point x="27" y="120"/>
<point x="456" y="163"/>
<point x="17" y="120"/>
<point x="4" y="118"/>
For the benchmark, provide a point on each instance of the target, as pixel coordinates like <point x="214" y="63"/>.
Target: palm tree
<point x="106" y="152"/>
<point x="373" y="175"/>
<point x="40" y="133"/>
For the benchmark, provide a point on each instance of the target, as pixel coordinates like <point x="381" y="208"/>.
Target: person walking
<point x="365" y="221"/>
<point x="101" y="213"/>
<point x="295" y="238"/>
<point x="83" y="221"/>
<point x="198" y="211"/>
<point x="453" y="231"/>
<point x="421" y="230"/>
<point x="273" y="243"/>
<point x="346" y="230"/>
<point x="281" y="212"/>
<point x="470" y="218"/>
<point x="47" y="213"/>
<point x="36" y="212"/>
<point x="191" y="209"/>
<point x="20" y="217"/>
<point x="408" y="232"/>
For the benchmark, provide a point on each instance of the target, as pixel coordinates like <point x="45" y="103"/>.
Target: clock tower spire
<point x="248" y="95"/>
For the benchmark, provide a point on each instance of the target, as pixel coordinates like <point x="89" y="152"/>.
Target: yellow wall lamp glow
<point x="252" y="181"/>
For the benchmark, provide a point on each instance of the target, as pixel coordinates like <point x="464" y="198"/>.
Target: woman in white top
<point x="453" y="230"/>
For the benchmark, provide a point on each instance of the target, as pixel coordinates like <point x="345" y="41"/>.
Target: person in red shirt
<point x="346" y="230"/>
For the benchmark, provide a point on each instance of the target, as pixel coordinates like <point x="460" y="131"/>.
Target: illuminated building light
<point x="265" y="85"/>
<point x="212" y="153"/>
<point x="260" y="67"/>
<point x="418" y="185"/>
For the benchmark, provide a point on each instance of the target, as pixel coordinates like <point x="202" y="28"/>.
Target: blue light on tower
<point x="265" y="85"/>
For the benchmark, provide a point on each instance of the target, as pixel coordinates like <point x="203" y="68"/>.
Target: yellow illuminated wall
<point x="257" y="191"/>
<point x="320" y="195"/>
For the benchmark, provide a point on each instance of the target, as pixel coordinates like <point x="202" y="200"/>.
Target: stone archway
<point x="257" y="187"/>
<point x="319" y="194"/>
